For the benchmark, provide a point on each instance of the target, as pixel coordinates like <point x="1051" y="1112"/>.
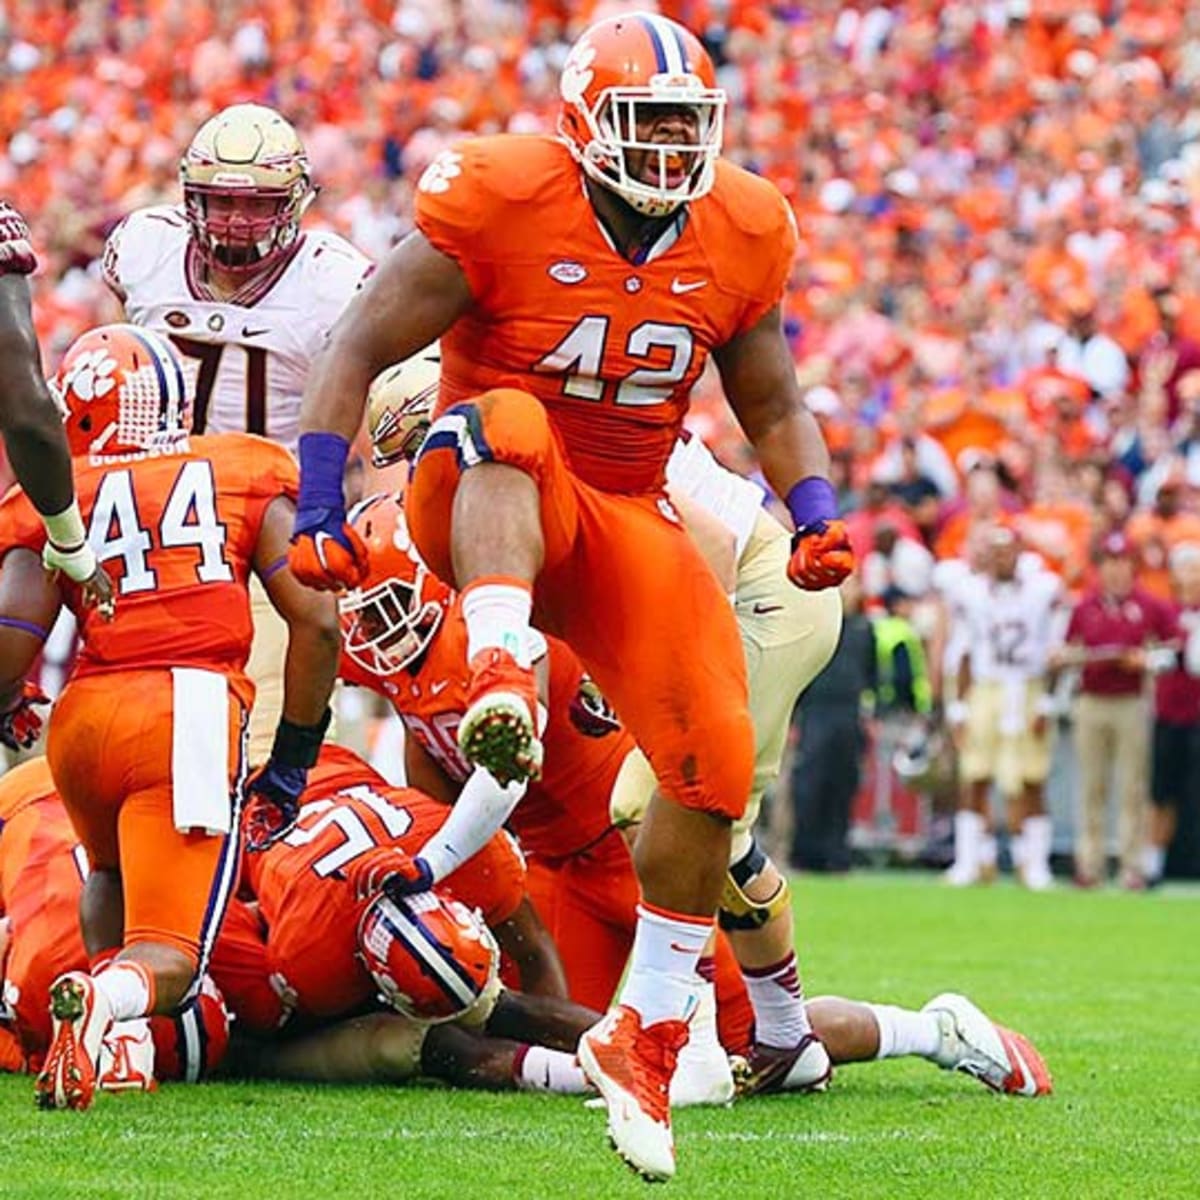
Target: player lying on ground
<point x="145" y="743"/>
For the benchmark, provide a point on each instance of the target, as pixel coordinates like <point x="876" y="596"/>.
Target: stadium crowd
<point x="994" y="305"/>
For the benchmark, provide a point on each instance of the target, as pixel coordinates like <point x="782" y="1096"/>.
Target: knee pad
<point x="738" y="911"/>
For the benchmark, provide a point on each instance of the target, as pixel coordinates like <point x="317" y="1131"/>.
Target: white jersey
<point x="731" y="498"/>
<point x="245" y="359"/>
<point x="1011" y="627"/>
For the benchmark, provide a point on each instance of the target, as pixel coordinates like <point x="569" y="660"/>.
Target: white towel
<point x="200" y="751"/>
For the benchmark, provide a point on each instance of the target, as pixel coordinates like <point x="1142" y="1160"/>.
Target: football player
<point x="42" y="870"/>
<point x="1010" y="623"/>
<point x="32" y="425"/>
<point x="246" y="297"/>
<point x="596" y="272"/>
<point x="591" y="923"/>
<point x="146" y="743"/>
<point x="327" y="951"/>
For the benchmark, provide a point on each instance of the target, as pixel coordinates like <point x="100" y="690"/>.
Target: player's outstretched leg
<point x="999" y="1058"/>
<point x="81" y="1016"/>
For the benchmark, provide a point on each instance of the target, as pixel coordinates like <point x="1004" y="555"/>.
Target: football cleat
<point x="805" y="1067"/>
<point x="702" y="1074"/>
<point x="81" y="1017"/>
<point x="127" y="1057"/>
<point x="631" y="1067"/>
<point x="497" y="731"/>
<point x="999" y="1058"/>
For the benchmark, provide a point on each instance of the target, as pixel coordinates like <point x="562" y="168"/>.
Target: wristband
<point x="811" y="501"/>
<point x="1045" y="705"/>
<point x="78" y="563"/>
<point x="956" y="712"/>
<point x="297" y="746"/>
<point x="65" y="529"/>
<point x="322" y="466"/>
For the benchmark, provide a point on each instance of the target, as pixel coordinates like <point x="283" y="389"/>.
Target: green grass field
<point x="1107" y="985"/>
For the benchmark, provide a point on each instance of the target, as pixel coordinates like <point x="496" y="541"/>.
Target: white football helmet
<point x="400" y="406"/>
<point x="246" y="185"/>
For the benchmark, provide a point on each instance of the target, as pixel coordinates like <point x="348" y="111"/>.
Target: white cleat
<point x="805" y="1067"/>
<point x="81" y="1017"/>
<point x="702" y="1076"/>
<point x="631" y="1067"/>
<point x="960" y="875"/>
<point x="127" y="1057"/>
<point x="999" y="1058"/>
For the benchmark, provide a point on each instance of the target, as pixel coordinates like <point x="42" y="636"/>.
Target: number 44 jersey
<point x="177" y="529"/>
<point x="610" y="346"/>
<point x="246" y="358"/>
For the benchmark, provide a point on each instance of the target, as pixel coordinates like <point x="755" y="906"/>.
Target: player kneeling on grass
<point x="42" y="869"/>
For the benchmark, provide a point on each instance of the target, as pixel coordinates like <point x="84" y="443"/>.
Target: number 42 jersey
<point x="246" y="359"/>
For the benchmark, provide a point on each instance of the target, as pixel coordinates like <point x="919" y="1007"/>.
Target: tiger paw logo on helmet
<point x="577" y="75"/>
<point x="437" y="177"/>
<point x="91" y="375"/>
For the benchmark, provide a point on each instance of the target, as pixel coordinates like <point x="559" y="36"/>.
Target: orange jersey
<point x="42" y="869"/>
<point x="567" y="808"/>
<point x="610" y="347"/>
<point x="177" y="528"/>
<point x="312" y="916"/>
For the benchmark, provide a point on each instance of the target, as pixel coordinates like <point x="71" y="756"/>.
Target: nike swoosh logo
<point x="247" y="332"/>
<point x="680" y="288"/>
<point x="438" y="687"/>
<point x="761" y="610"/>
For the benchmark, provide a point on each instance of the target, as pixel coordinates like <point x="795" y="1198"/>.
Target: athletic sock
<point x="903" y="1032"/>
<point x="988" y="852"/>
<point x="968" y="834"/>
<point x="496" y="609"/>
<point x="662" y="982"/>
<point x="780" y="1018"/>
<point x="537" y="1069"/>
<point x="129" y="989"/>
<point x="1154" y="860"/>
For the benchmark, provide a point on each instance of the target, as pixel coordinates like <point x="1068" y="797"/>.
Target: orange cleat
<point x="631" y="1067"/>
<point x="81" y="1018"/>
<point x="499" y="729"/>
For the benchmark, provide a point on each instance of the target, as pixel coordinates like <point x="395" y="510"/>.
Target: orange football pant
<point x="109" y="749"/>
<point x="588" y="902"/>
<point x="623" y="584"/>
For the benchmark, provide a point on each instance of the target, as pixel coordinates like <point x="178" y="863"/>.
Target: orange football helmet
<point x="432" y="957"/>
<point x="620" y="72"/>
<point x="121" y="390"/>
<point x="190" y="1043"/>
<point x="390" y="620"/>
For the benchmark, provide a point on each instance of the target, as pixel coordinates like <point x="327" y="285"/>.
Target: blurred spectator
<point x="1110" y="632"/>
<point x="1175" y="782"/>
<point x="829" y="725"/>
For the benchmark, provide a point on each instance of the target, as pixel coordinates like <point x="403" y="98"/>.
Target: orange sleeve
<point x="452" y="207"/>
<point x="20" y="524"/>
<point x="778" y="254"/>
<point x="265" y="471"/>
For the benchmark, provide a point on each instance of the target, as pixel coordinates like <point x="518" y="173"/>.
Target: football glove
<point x="274" y="805"/>
<point x="21" y="725"/>
<point x="390" y="870"/>
<point x="821" y="555"/>
<point x="275" y="789"/>
<point x="326" y="553"/>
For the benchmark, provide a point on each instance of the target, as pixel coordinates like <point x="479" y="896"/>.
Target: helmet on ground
<point x="121" y="390"/>
<point x="190" y="1043"/>
<point x="433" y="958"/>
<point x="619" y="75"/>
<point x="246" y="185"/>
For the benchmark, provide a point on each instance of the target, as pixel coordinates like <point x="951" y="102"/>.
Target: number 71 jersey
<point x="177" y="529"/>
<point x="246" y="359"/>
<point x="610" y="346"/>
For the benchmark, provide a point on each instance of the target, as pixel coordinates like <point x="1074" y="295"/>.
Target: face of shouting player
<point x="658" y="128"/>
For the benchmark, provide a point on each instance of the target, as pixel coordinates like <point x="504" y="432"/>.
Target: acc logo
<point x="90" y="376"/>
<point x="177" y="319"/>
<point x="567" y="271"/>
<point x="438" y="176"/>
